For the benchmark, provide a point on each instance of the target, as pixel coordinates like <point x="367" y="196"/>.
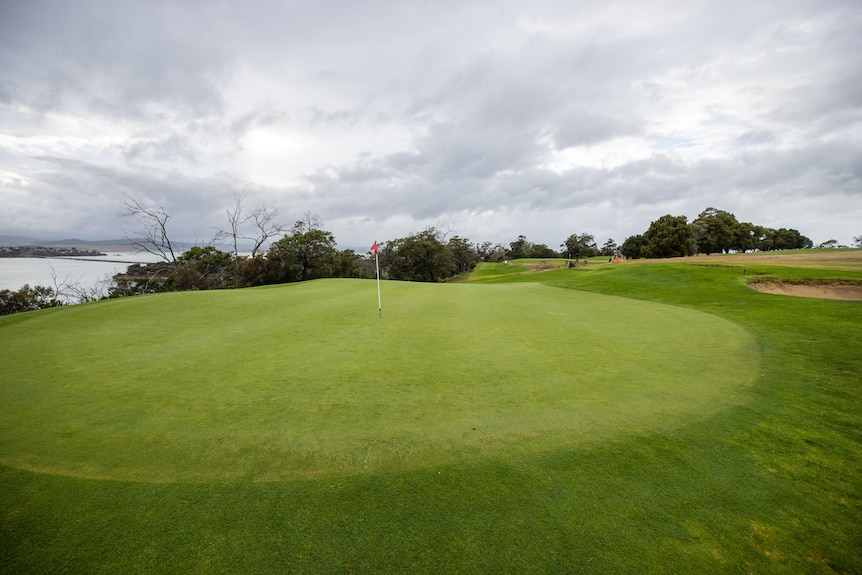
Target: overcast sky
<point x="491" y="119"/>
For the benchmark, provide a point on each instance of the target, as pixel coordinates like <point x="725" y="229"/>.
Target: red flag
<point x="374" y="249"/>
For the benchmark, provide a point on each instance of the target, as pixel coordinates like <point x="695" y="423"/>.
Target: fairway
<point x="306" y="380"/>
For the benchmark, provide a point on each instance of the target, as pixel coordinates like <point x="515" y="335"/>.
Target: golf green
<point x="305" y="380"/>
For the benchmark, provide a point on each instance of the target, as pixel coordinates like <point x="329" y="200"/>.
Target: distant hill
<point x="113" y="245"/>
<point x="74" y="242"/>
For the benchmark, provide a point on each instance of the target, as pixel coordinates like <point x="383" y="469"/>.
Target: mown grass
<point x="487" y="270"/>
<point x="760" y="475"/>
<point x="301" y="380"/>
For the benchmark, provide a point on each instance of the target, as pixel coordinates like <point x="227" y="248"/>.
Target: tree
<point x="235" y="220"/>
<point x="784" y="239"/>
<point x="719" y="231"/>
<point x="667" y="237"/>
<point x="829" y="244"/>
<point x="261" y="219"/>
<point x="307" y="253"/>
<point x="349" y="264"/>
<point x="580" y="246"/>
<point x="140" y="279"/>
<point x="609" y="248"/>
<point x="418" y="257"/>
<point x="203" y="268"/>
<point x="463" y="254"/>
<point x="857" y="242"/>
<point x="28" y="299"/>
<point x="518" y="249"/>
<point x="489" y="252"/>
<point x="748" y="237"/>
<point x="153" y="235"/>
<point x="256" y="271"/>
<point x="632" y="246"/>
<point x="266" y="229"/>
<point x="542" y="251"/>
<point x="698" y="233"/>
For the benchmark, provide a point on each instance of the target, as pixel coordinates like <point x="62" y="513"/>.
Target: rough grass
<point x="761" y="476"/>
<point x="846" y="260"/>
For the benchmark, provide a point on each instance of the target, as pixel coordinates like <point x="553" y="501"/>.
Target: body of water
<point x="86" y="273"/>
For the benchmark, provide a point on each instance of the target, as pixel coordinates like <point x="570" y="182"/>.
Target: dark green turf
<point x="764" y="477"/>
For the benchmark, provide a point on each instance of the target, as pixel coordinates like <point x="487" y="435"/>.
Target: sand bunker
<point x="842" y="291"/>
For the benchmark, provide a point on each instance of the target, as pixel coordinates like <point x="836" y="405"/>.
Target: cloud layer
<point x="492" y="118"/>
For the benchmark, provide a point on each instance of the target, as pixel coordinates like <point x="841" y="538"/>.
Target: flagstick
<point x="377" y="265"/>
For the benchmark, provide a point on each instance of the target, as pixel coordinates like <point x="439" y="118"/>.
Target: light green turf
<point x="306" y="379"/>
<point x="489" y="269"/>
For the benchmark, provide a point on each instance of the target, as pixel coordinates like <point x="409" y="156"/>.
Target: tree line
<point x="427" y="256"/>
<point x="306" y="251"/>
<point x="713" y="231"/>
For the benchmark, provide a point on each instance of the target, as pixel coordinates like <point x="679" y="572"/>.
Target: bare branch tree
<point x="235" y="220"/>
<point x="154" y="230"/>
<point x="441" y="231"/>
<point x="83" y="294"/>
<point x="263" y="219"/>
<point x="61" y="288"/>
<point x="310" y="221"/>
<point x="73" y="291"/>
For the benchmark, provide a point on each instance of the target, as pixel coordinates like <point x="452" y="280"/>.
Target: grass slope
<point x="596" y="447"/>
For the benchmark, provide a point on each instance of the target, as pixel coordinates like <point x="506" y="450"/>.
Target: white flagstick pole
<point x="377" y="265"/>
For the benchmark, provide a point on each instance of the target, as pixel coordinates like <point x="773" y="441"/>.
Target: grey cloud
<point x="583" y="126"/>
<point x="826" y="105"/>
<point x="465" y="151"/>
<point x="830" y="167"/>
<point x="186" y="141"/>
<point x="84" y="198"/>
<point x="756" y="138"/>
<point x="238" y="127"/>
<point x="169" y="148"/>
<point x="113" y="58"/>
<point x="478" y="96"/>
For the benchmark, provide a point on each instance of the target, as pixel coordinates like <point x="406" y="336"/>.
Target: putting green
<point x="305" y="379"/>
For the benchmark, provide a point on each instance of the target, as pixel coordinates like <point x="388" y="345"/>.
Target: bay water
<point x="85" y="273"/>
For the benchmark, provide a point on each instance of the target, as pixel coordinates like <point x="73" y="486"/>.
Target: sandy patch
<point x="821" y="291"/>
